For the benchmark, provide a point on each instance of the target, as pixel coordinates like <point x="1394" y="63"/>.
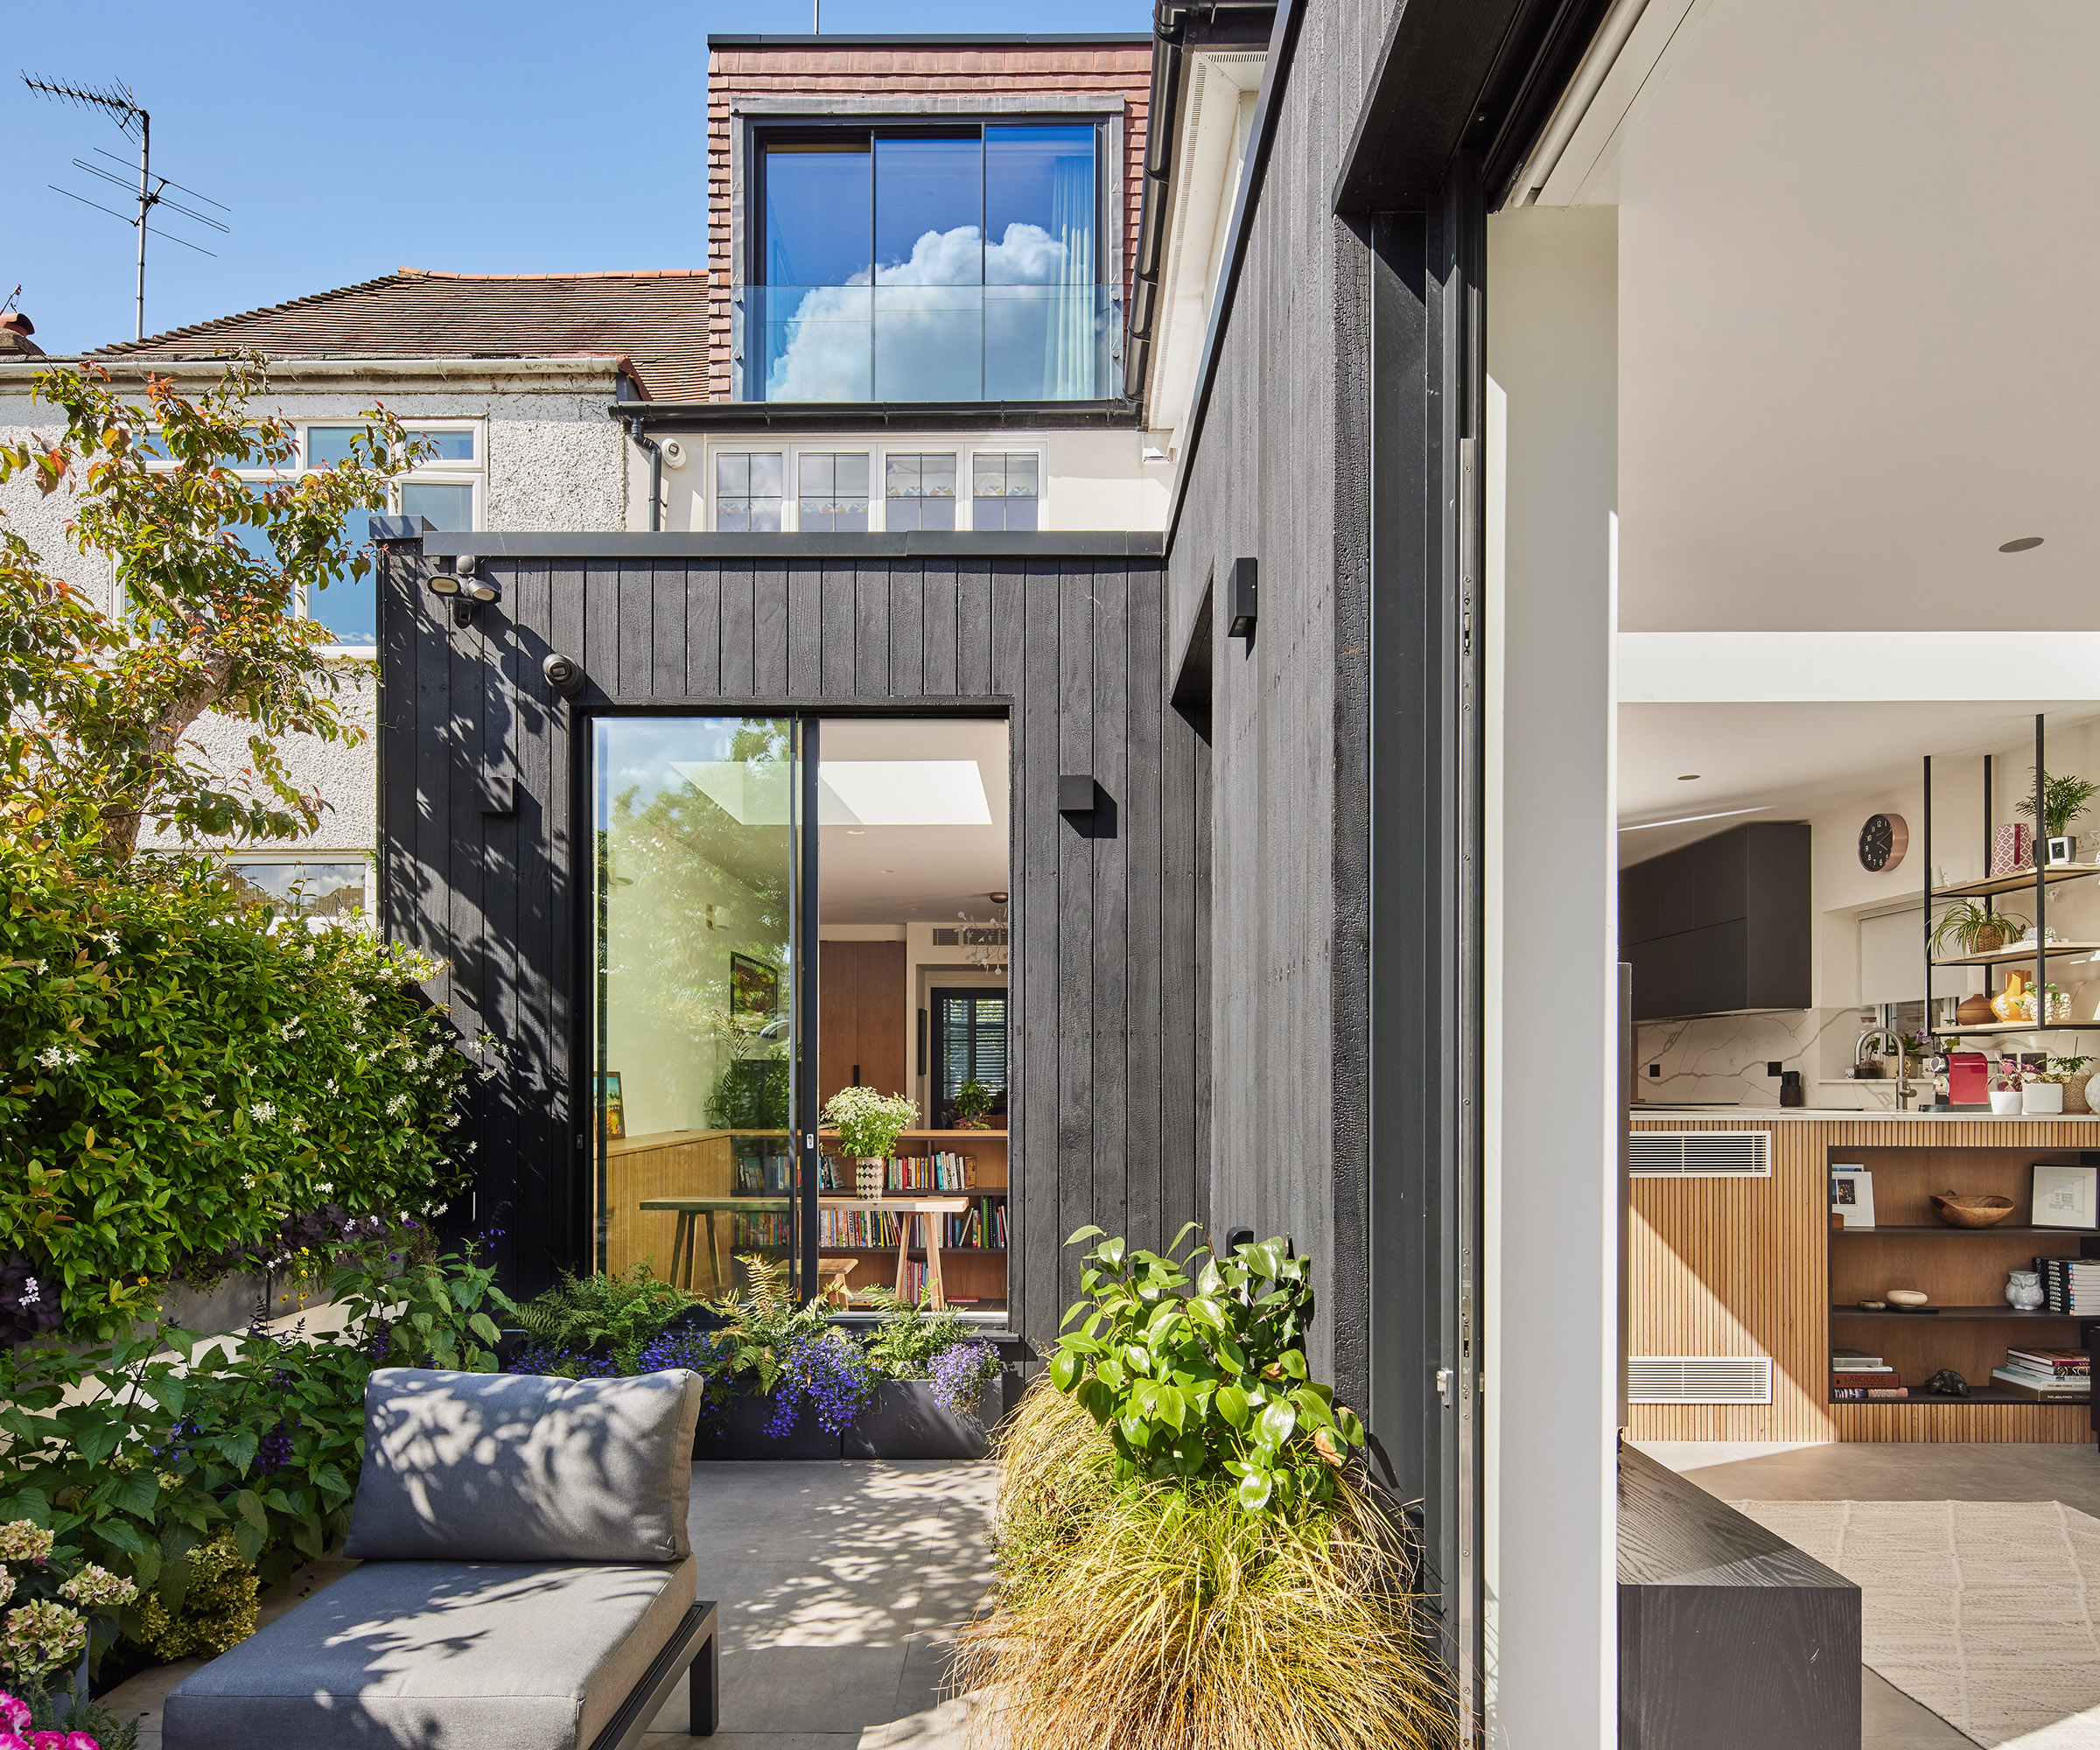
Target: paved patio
<point x="841" y="1586"/>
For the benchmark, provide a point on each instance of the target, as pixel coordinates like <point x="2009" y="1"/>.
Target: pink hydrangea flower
<point x="15" y="1711"/>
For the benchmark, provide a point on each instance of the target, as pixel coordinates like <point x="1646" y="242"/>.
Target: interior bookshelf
<point x="2035" y="880"/>
<point x="1962" y="1270"/>
<point x="973" y="1276"/>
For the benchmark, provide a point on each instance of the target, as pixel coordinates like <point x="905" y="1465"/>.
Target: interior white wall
<point x="1553" y="329"/>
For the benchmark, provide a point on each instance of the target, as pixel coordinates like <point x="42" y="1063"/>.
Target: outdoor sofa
<point x="526" y="1581"/>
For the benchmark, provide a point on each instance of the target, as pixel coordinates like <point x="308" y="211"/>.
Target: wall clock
<point x="1882" y="842"/>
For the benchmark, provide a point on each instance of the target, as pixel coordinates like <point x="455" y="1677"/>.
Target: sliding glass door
<point x="698" y="904"/>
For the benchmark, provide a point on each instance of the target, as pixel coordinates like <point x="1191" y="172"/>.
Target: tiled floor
<point x="841" y="1586"/>
<point x="1924" y="1470"/>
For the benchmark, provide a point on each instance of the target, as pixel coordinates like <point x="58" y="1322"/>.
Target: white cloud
<point x="926" y="312"/>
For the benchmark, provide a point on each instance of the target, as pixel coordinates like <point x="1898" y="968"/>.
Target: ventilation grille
<point x="1701" y="1154"/>
<point x="1698" y="1379"/>
<point x="982" y="935"/>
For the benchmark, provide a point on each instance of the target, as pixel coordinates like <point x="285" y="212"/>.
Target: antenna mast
<point x="119" y="103"/>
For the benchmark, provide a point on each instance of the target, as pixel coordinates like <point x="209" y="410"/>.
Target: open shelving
<point x="2036" y="879"/>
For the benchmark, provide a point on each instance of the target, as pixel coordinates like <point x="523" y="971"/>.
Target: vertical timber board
<point x="869" y="678"/>
<point x="635" y="676"/>
<point x="1108" y="937"/>
<point x="566" y="880"/>
<point x="703" y="590"/>
<point x="973" y="626"/>
<point x="668" y="647"/>
<point x="534" y="1044"/>
<point x="1038" y="886"/>
<point x="776" y="593"/>
<point x="1145" y="1139"/>
<point x="937" y="603"/>
<point x="1007" y="588"/>
<point x="1075" y="862"/>
<point x="907" y="587"/>
<point x="839" y="666"/>
<point x="737" y="592"/>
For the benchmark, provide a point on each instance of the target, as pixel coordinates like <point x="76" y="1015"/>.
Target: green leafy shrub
<point x="217" y="1609"/>
<point x="183" y="1076"/>
<point x="613" y="1314"/>
<point x="1207" y="1383"/>
<point x="138" y="1461"/>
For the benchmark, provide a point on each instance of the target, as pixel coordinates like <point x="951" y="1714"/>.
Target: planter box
<point x="738" y="1431"/>
<point x="907" y="1421"/>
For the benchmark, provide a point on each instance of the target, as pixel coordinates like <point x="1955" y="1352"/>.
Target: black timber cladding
<point x="1109" y="916"/>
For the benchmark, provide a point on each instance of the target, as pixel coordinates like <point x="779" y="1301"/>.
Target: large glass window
<point x="695" y="819"/>
<point x="917" y="265"/>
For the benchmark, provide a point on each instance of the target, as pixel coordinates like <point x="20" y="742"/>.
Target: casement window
<point x="445" y="489"/>
<point x="320" y="885"/>
<point x="1005" y="490"/>
<point x="747" y="490"/>
<point x="831" y="492"/>
<point x="948" y="261"/>
<point x="878" y="487"/>
<point x="919" y="491"/>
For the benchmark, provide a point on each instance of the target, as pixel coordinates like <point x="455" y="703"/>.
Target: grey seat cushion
<point x="511" y="1468"/>
<point x="481" y="1655"/>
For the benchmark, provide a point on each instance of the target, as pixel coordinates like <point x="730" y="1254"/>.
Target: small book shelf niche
<point x="1962" y="1270"/>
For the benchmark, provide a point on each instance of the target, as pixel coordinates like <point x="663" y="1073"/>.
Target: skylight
<point x="849" y="792"/>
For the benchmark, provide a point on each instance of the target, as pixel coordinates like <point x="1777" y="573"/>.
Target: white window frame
<point x="877" y="451"/>
<point x="363" y="856"/>
<point x="472" y="475"/>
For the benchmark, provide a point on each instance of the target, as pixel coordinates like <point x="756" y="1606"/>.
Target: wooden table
<point x="910" y="1206"/>
<point x="688" y="1209"/>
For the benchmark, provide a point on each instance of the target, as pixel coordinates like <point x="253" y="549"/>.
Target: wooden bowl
<point x="1958" y="1211"/>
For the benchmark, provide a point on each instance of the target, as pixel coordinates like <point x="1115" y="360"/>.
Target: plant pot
<point x="868" y="1176"/>
<point x="2005" y="1102"/>
<point x="738" y="1431"/>
<point x="1990" y="940"/>
<point x="907" y="1421"/>
<point x="2041" y="1096"/>
<point x="2074" y="1092"/>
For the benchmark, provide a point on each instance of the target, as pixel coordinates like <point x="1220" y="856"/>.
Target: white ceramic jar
<point x="2005" y="1102"/>
<point x="2041" y="1096"/>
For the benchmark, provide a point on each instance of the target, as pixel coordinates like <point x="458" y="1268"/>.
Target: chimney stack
<point x="15" y="330"/>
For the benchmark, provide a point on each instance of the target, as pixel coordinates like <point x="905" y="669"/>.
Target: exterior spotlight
<point x="443" y="584"/>
<point x="564" y="674"/>
<point x="1241" y="594"/>
<point x="480" y="591"/>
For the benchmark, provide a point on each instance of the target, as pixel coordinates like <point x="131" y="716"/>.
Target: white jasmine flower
<point x="262" y="1111"/>
<point x="53" y="1057"/>
<point x="395" y="1105"/>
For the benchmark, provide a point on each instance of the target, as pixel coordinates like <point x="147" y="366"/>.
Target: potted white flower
<point x="868" y="1125"/>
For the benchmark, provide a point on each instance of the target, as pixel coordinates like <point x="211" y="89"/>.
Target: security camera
<point x="674" y="453"/>
<point x="564" y="674"/>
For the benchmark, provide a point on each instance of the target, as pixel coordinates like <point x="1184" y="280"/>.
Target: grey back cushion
<point x="511" y="1468"/>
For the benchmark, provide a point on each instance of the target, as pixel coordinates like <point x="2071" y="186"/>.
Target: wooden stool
<point x="831" y="1274"/>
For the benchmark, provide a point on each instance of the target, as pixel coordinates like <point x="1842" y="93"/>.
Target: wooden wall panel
<point x="1109" y="915"/>
<point x="1741" y="1267"/>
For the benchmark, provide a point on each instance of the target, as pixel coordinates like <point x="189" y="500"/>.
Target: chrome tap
<point x="1895" y="1044"/>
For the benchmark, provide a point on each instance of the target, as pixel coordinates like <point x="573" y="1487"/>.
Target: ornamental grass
<point x="1162" y="1614"/>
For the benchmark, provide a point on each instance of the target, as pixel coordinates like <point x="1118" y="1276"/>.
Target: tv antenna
<point x="118" y="103"/>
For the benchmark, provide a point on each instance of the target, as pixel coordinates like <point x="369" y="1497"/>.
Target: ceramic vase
<point x="2023" y="1290"/>
<point x="2041" y="1096"/>
<point x="867" y="1177"/>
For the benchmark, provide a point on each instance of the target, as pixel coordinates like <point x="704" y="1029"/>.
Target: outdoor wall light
<point x="564" y="674"/>
<point x="463" y="590"/>
<point x="1242" y="588"/>
<point x="1075" y="795"/>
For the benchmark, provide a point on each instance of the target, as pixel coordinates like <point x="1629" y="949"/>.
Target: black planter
<point x="907" y="1421"/>
<point x="738" y="1431"/>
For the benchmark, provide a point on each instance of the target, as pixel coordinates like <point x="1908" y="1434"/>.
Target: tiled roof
<point x="657" y="320"/>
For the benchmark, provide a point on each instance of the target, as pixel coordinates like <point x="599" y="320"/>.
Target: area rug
<point x="1982" y="1610"/>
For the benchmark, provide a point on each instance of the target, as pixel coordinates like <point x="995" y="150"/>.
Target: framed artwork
<point x="609" y="1104"/>
<point x="754" y="990"/>
<point x="1852" y="1195"/>
<point x="2063" y="1196"/>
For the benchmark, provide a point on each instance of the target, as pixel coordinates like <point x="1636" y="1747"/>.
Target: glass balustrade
<point x="946" y="343"/>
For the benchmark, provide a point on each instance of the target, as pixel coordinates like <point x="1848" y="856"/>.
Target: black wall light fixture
<point x="1075" y="795"/>
<point x="1241" y="594"/>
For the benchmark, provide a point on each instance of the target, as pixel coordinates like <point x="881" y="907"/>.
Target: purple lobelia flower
<point x="831" y="1374"/>
<point x="959" y="1375"/>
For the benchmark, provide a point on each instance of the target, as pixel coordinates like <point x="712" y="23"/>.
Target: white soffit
<point x="1782" y="667"/>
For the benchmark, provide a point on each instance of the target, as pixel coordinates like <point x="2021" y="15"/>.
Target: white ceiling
<point x="913" y="874"/>
<point x="1859" y="318"/>
<point x="1794" y="759"/>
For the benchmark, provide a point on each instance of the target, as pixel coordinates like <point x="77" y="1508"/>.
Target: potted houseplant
<point x="2075" y="1073"/>
<point x="1971" y="928"/>
<point x="2064" y="798"/>
<point x="972" y="1101"/>
<point x="868" y="1125"/>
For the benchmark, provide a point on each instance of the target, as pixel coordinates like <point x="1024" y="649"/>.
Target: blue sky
<point x="524" y="137"/>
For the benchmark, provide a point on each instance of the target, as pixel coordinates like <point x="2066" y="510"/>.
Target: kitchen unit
<point x="1733" y="1262"/>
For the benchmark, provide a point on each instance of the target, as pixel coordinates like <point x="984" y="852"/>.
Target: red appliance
<point x="1968" y="1079"/>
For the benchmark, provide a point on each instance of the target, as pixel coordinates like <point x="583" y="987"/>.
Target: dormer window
<point x="928" y="263"/>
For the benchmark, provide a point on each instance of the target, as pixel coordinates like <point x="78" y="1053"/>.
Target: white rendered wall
<point x="1552" y="1194"/>
<point x="554" y="460"/>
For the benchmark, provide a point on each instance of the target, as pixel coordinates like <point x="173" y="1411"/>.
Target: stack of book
<point x="1859" y="1378"/>
<point x="2048" y="1376"/>
<point x="941" y="1172"/>
<point x="2070" y="1285"/>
